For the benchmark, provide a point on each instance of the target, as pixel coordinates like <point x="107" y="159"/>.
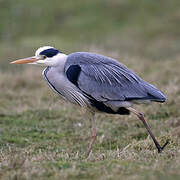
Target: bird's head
<point x="45" y="56"/>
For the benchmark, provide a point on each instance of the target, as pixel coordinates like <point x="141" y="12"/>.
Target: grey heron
<point x="96" y="82"/>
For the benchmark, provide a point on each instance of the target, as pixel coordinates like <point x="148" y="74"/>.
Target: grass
<point x="43" y="137"/>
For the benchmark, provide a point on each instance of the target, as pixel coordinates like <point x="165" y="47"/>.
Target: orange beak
<point x="26" y="60"/>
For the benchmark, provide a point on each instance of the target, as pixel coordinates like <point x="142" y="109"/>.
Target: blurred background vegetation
<point x="44" y="138"/>
<point x="147" y="28"/>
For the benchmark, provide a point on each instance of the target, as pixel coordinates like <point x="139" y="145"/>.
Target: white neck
<point x="58" y="60"/>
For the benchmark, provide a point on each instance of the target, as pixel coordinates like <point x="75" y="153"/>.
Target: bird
<point x="97" y="83"/>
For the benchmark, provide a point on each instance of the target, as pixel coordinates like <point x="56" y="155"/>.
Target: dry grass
<point x="45" y="138"/>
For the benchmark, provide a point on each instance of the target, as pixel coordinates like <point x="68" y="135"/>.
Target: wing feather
<point x="105" y="79"/>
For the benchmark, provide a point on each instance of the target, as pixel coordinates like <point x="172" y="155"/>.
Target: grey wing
<point x="105" y="79"/>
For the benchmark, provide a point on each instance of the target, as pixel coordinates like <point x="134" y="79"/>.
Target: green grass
<point x="43" y="137"/>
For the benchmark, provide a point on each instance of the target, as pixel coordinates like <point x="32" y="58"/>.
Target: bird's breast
<point x="60" y="84"/>
<point x="48" y="78"/>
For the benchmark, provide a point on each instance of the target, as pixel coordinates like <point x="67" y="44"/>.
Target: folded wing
<point x="105" y="79"/>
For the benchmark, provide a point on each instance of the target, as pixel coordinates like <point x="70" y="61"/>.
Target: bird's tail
<point x="154" y="94"/>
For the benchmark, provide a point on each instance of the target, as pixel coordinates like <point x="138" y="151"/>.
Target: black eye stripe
<point x="49" y="52"/>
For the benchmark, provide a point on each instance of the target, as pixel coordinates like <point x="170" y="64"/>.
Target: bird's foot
<point x="161" y="148"/>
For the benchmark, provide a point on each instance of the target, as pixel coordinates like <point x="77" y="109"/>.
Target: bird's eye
<point x="44" y="56"/>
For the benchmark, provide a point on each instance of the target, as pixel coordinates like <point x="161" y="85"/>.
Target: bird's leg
<point x="141" y="117"/>
<point x="93" y="135"/>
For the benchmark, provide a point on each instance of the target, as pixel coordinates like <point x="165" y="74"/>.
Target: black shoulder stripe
<point x="72" y="73"/>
